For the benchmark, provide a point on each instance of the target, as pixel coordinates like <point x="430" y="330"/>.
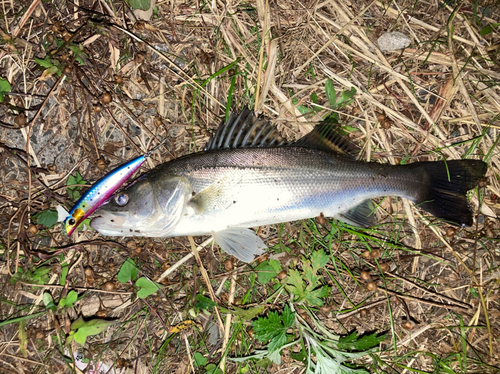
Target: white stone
<point x="392" y="41"/>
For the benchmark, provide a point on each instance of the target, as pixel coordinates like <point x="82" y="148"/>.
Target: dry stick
<point x="458" y="80"/>
<point x="407" y="91"/>
<point x="391" y="111"/>
<point x="206" y="279"/>
<point x="332" y="39"/>
<point x="261" y="52"/>
<point x="471" y="274"/>
<point x="438" y="295"/>
<point x="123" y="131"/>
<point x="85" y="289"/>
<point x="418" y="22"/>
<point x="183" y="75"/>
<point x="425" y="301"/>
<point x="229" y="317"/>
<point x="188" y="350"/>
<point x="477" y="43"/>
<point x="357" y="310"/>
<point x="23" y="359"/>
<point x="420" y="331"/>
<point x="186" y="258"/>
<point x="272" y="56"/>
<point x="373" y="59"/>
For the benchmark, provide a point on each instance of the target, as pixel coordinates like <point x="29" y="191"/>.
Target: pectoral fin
<point x="242" y="243"/>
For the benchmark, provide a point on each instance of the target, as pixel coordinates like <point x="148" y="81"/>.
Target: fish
<point x="102" y="190"/>
<point x="248" y="176"/>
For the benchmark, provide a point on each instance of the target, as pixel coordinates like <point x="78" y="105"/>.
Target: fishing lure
<point x="102" y="190"/>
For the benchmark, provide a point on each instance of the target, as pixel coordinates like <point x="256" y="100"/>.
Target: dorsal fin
<point x="245" y="130"/>
<point x="327" y="137"/>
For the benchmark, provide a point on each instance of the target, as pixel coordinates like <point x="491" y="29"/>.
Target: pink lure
<point x="101" y="191"/>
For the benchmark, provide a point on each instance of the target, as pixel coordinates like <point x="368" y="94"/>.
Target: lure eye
<point x="71" y="221"/>
<point x="122" y="198"/>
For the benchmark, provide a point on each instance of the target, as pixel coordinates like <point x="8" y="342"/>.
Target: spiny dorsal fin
<point x="327" y="137"/>
<point x="245" y="130"/>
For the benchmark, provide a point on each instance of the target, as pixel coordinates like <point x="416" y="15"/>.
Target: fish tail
<point x="446" y="193"/>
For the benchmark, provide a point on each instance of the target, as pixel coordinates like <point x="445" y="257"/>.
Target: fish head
<point x="146" y="208"/>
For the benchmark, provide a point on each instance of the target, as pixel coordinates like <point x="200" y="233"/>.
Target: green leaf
<point x="74" y="194"/>
<point x="330" y="93"/>
<point x="5" y="87"/>
<point x="267" y="271"/>
<point x="489" y="29"/>
<point x="147" y="287"/>
<point x="346" y="97"/>
<point x="88" y="328"/>
<point x="273" y="328"/>
<point x="47" y="218"/>
<point x="310" y="274"/>
<point x="70" y="299"/>
<point x="128" y="271"/>
<point x="76" y="179"/>
<point x="39" y="275"/>
<point x="48" y="301"/>
<point x="245" y="314"/>
<point x="486" y="30"/>
<point x="212" y="369"/>
<point x="319" y="259"/>
<point x="46" y="63"/>
<point x="47" y="298"/>
<point x="288" y="316"/>
<point x="139" y="4"/>
<point x="351" y="341"/>
<point x="295" y="284"/>
<point x="313" y="297"/>
<point x="16" y="277"/>
<point x="64" y="273"/>
<point x="199" y="360"/>
<point x="204" y="302"/>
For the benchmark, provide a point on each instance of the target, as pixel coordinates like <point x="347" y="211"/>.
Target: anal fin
<point x="362" y="215"/>
<point x="239" y="242"/>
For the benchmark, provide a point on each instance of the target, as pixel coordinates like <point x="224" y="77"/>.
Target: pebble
<point x="392" y="41"/>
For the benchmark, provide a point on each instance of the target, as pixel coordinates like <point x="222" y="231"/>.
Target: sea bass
<point x="247" y="176"/>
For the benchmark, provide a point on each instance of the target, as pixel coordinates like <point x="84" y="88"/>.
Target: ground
<point x="93" y="84"/>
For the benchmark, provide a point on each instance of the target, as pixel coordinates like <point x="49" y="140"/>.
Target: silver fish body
<point x="225" y="191"/>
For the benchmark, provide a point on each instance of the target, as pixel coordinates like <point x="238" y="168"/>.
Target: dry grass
<point x="439" y="98"/>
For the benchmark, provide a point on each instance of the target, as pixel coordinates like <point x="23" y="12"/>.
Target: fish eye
<point x="71" y="221"/>
<point x="122" y="198"/>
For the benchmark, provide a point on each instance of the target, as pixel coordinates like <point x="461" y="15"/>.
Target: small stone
<point x="392" y="41"/>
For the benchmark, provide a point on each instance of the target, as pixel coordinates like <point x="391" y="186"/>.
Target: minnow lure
<point x="102" y="190"/>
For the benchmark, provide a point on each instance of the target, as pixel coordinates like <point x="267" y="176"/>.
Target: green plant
<point x="306" y="285"/>
<point x="329" y="349"/>
<point x="37" y="275"/>
<point x="129" y="272"/>
<point x="48" y="217"/>
<point x="65" y="302"/>
<point x="74" y="191"/>
<point x="338" y="102"/>
<point x="4" y="88"/>
<point x="81" y="329"/>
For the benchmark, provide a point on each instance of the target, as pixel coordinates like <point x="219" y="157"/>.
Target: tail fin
<point x="448" y="184"/>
